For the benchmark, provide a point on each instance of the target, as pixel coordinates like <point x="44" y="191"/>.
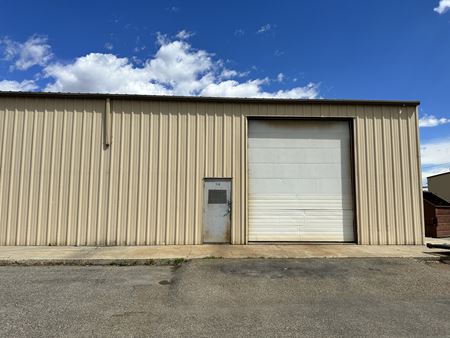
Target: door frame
<point x="204" y="180"/>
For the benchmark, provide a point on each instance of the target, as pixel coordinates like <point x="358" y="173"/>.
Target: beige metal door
<point x="217" y="211"/>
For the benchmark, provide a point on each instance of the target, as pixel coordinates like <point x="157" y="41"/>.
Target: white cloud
<point x="183" y="35"/>
<point x="176" y="65"/>
<point x="252" y="88"/>
<point x="227" y="73"/>
<point x="175" y="69"/>
<point x="34" y="51"/>
<point x="230" y="73"/>
<point x="435" y="157"/>
<point x="15" y="86"/>
<point x="432" y="121"/>
<point x="109" y="46"/>
<point x="436" y="152"/>
<point x="100" y="73"/>
<point x="264" y="28"/>
<point x="444" y="6"/>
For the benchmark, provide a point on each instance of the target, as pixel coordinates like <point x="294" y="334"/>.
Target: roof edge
<point x="207" y="98"/>
<point x="441" y="174"/>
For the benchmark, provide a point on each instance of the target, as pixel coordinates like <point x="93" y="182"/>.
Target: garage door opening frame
<point x="353" y="167"/>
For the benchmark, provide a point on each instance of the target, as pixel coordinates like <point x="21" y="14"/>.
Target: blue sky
<point x="381" y="49"/>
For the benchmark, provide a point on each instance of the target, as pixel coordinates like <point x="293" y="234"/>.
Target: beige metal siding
<point x="389" y="209"/>
<point x="59" y="184"/>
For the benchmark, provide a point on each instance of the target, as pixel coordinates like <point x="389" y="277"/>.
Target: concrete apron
<point x="173" y="254"/>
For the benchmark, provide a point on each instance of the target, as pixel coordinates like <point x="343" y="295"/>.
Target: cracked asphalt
<point x="218" y="297"/>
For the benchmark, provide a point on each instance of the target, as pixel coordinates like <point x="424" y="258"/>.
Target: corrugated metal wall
<point x="389" y="194"/>
<point x="59" y="184"/>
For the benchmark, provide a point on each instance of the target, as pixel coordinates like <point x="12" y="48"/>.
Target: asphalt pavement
<point x="351" y="297"/>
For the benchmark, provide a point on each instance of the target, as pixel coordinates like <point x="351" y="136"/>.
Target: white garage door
<point x="300" y="181"/>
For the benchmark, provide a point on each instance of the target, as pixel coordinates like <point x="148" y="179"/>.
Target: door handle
<point x="228" y="209"/>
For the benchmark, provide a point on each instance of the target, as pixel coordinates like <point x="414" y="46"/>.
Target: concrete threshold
<point x="175" y="254"/>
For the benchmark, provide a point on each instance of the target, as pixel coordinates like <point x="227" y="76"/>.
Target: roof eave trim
<point x="207" y="99"/>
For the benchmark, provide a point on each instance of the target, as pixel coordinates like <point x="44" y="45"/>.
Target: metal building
<point x="440" y="185"/>
<point x="98" y="169"/>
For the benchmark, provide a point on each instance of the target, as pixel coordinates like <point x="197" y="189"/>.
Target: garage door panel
<point x="330" y="237"/>
<point x="283" y="143"/>
<point x="300" y="181"/>
<point x="276" y="225"/>
<point x="295" y="155"/>
<point x="307" y="202"/>
<point x="273" y="226"/>
<point x="307" y="170"/>
<point x="262" y="186"/>
<point x="329" y="185"/>
<point x="289" y="128"/>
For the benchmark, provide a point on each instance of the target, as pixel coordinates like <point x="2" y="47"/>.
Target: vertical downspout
<point x="107" y="124"/>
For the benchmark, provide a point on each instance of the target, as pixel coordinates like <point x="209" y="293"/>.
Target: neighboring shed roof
<point x="441" y="174"/>
<point x="434" y="199"/>
<point x="209" y="99"/>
